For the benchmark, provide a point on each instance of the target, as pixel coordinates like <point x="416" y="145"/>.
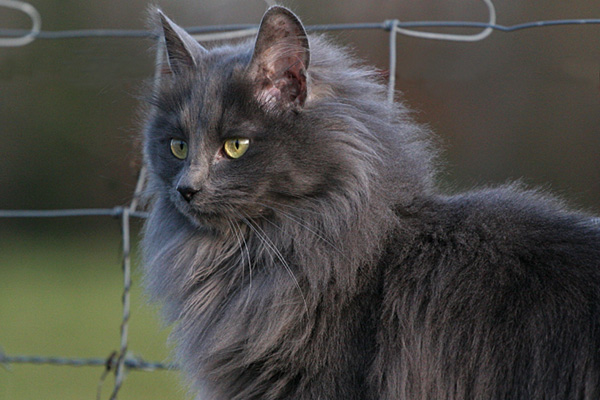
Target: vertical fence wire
<point x="120" y="370"/>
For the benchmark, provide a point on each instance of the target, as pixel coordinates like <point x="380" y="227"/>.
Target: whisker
<point x="240" y="235"/>
<point x="265" y="239"/>
<point x="230" y="223"/>
<point x="305" y="226"/>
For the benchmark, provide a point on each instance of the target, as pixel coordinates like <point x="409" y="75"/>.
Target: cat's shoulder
<point x="505" y="215"/>
<point x="488" y="251"/>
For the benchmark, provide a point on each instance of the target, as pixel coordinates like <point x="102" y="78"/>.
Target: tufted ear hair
<point x="183" y="51"/>
<point x="279" y="64"/>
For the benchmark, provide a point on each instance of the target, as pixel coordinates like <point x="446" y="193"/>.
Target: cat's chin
<point x="215" y="222"/>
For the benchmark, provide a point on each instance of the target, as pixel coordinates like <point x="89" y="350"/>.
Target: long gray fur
<point x="325" y="264"/>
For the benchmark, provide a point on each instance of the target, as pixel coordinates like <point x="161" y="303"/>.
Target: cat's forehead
<point x="207" y="95"/>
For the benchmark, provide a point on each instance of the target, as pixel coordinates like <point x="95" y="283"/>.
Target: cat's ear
<point x="183" y="51"/>
<point x="279" y="64"/>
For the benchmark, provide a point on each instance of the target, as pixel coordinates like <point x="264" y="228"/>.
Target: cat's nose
<point x="187" y="192"/>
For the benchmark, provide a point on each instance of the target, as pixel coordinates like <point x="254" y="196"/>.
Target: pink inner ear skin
<point x="286" y="86"/>
<point x="293" y="87"/>
<point x="269" y="96"/>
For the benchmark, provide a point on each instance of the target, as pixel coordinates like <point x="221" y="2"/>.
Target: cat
<point x="301" y="248"/>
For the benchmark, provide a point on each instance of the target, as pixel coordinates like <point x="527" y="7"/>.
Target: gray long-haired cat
<point x="302" y="251"/>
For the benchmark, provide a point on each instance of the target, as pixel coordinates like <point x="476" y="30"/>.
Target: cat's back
<point x="492" y="294"/>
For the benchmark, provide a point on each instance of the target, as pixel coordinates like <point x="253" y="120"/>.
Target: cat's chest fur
<point x="251" y="324"/>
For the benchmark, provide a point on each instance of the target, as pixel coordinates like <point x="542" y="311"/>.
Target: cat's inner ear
<point x="183" y="51"/>
<point x="279" y="64"/>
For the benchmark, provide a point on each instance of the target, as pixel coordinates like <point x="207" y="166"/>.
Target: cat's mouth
<point x="201" y="215"/>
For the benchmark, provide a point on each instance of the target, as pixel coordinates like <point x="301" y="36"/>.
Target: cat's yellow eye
<point x="179" y="148"/>
<point x="235" y="148"/>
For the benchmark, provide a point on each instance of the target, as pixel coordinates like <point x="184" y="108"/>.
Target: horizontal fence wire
<point x="109" y="363"/>
<point x="386" y="25"/>
<point x="120" y="361"/>
<point x="115" y="212"/>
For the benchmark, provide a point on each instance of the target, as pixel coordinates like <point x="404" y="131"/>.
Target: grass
<point x="60" y="295"/>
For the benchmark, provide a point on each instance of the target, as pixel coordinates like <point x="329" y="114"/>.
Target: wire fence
<point x="119" y="361"/>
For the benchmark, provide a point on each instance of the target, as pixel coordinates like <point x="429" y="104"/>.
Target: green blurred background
<point x="523" y="105"/>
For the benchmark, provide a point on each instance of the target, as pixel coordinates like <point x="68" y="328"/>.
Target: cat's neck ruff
<point x="259" y="281"/>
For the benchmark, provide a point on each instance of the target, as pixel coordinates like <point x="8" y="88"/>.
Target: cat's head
<point x="239" y="132"/>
